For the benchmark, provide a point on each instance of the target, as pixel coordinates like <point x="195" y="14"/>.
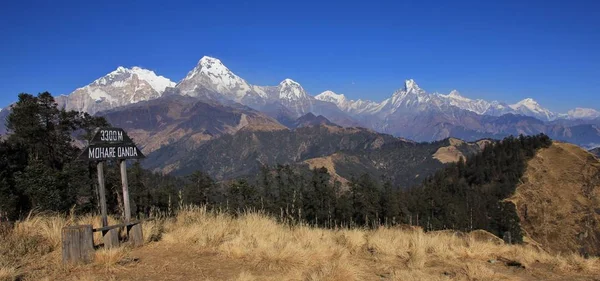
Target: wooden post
<point x="101" y="190"/>
<point x="77" y="244"/>
<point x="125" y="191"/>
<point x="134" y="232"/>
<point x="111" y="238"/>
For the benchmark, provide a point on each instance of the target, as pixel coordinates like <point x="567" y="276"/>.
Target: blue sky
<point x="504" y="50"/>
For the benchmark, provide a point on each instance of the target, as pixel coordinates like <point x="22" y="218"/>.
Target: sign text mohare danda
<point x="112" y="152"/>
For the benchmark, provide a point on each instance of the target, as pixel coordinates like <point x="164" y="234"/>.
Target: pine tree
<point x="390" y="207"/>
<point x="365" y="200"/>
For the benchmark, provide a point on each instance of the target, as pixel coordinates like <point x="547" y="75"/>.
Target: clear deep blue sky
<point x="505" y="50"/>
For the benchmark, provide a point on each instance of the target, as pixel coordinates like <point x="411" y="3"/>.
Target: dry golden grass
<point x="8" y="273"/>
<point x="110" y="257"/>
<point x="415" y="275"/>
<point x="558" y="199"/>
<point x="257" y="247"/>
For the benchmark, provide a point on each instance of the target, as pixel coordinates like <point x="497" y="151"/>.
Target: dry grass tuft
<point x="153" y="230"/>
<point x="480" y="272"/>
<point x="416" y="275"/>
<point x="110" y="257"/>
<point x="334" y="271"/>
<point x="417" y="250"/>
<point x="8" y="273"/>
<point x="245" y="276"/>
<point x="46" y="227"/>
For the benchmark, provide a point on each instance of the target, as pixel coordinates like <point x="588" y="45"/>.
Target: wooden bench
<point x="78" y="240"/>
<point x="110" y="234"/>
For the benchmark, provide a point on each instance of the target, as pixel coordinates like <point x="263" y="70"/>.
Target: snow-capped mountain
<point x="530" y="107"/>
<point x="350" y="106"/>
<point x="291" y="91"/>
<point x="211" y="79"/>
<point x="411" y="98"/>
<point x="478" y="106"/>
<point x="409" y="112"/>
<point x="211" y="75"/>
<point x="583" y="113"/>
<point x="291" y="94"/>
<point x="120" y="87"/>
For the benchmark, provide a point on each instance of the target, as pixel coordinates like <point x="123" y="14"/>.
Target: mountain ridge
<point x="410" y="112"/>
<point x="214" y="76"/>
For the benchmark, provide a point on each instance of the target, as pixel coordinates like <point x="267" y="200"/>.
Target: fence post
<point x="77" y="244"/>
<point x="110" y="238"/>
<point x="135" y="234"/>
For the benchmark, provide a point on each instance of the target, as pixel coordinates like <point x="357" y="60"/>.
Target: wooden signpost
<point x="77" y="241"/>
<point x="111" y="144"/>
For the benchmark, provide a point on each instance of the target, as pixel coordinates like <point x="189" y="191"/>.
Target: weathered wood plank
<point x="115" y="226"/>
<point x="77" y="244"/>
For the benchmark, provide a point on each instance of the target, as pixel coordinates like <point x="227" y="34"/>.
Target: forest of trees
<point x="39" y="172"/>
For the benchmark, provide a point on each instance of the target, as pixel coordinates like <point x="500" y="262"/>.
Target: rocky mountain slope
<point x="558" y="201"/>
<point x="351" y="152"/>
<point x="184" y="120"/>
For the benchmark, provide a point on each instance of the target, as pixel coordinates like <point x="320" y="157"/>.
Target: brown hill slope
<point x="156" y="123"/>
<point x="403" y="163"/>
<point x="558" y="200"/>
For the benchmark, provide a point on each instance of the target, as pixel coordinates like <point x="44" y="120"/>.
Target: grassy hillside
<point x="202" y="245"/>
<point x="558" y="199"/>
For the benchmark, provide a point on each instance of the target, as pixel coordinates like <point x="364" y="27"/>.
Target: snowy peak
<point x="209" y="61"/>
<point x="120" y="87"/>
<point x="456" y="95"/>
<point x="287" y="82"/>
<point x="119" y="77"/>
<point x="528" y="102"/>
<point x="409" y="90"/>
<point x="210" y="66"/>
<point x="350" y="106"/>
<point x="291" y="90"/>
<point x="158" y="83"/>
<point x="411" y="86"/>
<point x="211" y="74"/>
<point x="583" y="113"/>
<point x="530" y="107"/>
<point x="330" y="96"/>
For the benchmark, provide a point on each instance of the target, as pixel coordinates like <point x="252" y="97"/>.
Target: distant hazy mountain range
<point x="410" y="112"/>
